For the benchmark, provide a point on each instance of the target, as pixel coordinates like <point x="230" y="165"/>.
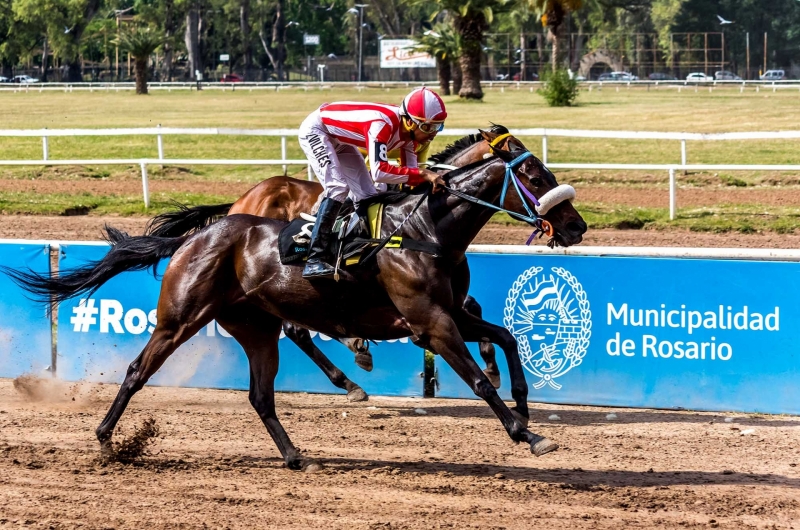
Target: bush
<point x="559" y="90"/>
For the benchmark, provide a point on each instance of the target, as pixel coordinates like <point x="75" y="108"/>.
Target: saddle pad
<point x="294" y="240"/>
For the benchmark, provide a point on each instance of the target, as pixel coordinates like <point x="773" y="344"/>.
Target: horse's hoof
<point x="494" y="378"/>
<point x="541" y="446"/>
<point x="520" y="418"/>
<point x="357" y="394"/>
<point x="295" y="464"/>
<point x="312" y="466"/>
<point x="364" y="361"/>
<point x="106" y="451"/>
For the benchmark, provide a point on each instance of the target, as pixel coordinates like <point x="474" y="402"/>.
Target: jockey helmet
<point x="425" y="109"/>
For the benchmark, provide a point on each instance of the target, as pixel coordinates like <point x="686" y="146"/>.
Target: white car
<point x="698" y="76"/>
<point x="773" y="75"/>
<point x="4" y="79"/>
<point x="25" y="79"/>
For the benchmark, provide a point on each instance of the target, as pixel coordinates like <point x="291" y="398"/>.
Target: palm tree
<point x="471" y="19"/>
<point x="140" y="43"/>
<point x="441" y="42"/>
<point x="552" y="13"/>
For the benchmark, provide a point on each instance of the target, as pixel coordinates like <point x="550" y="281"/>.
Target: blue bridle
<point x="522" y="191"/>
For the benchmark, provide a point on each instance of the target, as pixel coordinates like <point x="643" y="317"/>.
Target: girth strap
<point x="406" y="243"/>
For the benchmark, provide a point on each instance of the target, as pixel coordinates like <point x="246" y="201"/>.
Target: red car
<point x="231" y="78"/>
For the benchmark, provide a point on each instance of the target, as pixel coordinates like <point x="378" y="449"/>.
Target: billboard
<point x="25" y="335"/>
<point x="644" y="332"/>
<point x="397" y="53"/>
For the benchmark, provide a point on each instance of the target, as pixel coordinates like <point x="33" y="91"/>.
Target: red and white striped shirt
<point x="374" y="127"/>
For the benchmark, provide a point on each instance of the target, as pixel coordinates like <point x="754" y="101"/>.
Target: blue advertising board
<point x="644" y="332"/>
<point x="99" y="337"/>
<point x="25" y="336"/>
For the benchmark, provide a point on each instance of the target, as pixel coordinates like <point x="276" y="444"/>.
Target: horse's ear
<point x="505" y="156"/>
<point x="487" y="135"/>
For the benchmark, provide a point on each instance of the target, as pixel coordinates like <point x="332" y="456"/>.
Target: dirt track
<point x="214" y="465"/>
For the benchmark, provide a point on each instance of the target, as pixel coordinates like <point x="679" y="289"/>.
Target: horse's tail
<point x="185" y="220"/>
<point x="128" y="253"/>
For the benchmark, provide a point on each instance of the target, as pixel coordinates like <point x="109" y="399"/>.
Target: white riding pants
<point x="339" y="167"/>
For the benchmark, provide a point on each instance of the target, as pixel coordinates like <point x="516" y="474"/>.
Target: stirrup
<point x="318" y="269"/>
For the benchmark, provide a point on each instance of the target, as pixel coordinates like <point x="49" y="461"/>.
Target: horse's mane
<point x="395" y="196"/>
<point x="462" y="143"/>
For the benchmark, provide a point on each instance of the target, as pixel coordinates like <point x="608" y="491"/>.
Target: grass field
<point x="113" y="189"/>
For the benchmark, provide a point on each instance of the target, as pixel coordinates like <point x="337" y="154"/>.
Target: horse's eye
<point x="536" y="182"/>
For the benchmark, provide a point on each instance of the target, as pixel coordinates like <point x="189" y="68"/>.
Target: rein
<point x="541" y="226"/>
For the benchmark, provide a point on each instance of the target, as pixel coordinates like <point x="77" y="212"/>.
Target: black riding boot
<point x="319" y="254"/>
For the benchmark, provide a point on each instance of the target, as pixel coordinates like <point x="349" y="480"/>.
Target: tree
<point x="140" y="43"/>
<point x="441" y="42"/>
<point x="275" y="45"/>
<point x="471" y="19"/>
<point x="552" y="13"/>
<point x="191" y="38"/>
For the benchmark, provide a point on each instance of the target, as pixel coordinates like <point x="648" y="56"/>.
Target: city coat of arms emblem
<point x="549" y="315"/>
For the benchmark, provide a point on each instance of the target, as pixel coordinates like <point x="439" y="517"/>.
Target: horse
<point x="231" y="272"/>
<point x="285" y="198"/>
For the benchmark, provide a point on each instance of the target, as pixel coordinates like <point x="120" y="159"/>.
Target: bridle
<point x="540" y="207"/>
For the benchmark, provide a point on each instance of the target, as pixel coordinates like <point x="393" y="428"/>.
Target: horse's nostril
<point x="576" y="227"/>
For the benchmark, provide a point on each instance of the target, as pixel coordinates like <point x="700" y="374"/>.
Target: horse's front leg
<point x="435" y="326"/>
<point x="475" y="329"/>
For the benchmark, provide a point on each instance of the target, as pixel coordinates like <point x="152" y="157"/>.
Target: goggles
<point x="427" y="127"/>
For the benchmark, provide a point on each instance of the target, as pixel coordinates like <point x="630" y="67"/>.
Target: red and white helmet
<point x="424" y="105"/>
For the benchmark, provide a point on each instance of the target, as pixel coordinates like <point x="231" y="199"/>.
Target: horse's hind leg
<point x="361" y="348"/>
<point x="258" y="333"/>
<point x="486" y="348"/>
<point x="167" y="336"/>
<point x="186" y="304"/>
<point x="302" y="338"/>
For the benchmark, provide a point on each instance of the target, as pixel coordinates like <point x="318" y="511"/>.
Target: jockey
<point x="331" y="137"/>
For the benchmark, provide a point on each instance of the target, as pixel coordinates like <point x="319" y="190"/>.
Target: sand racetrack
<point x="387" y="466"/>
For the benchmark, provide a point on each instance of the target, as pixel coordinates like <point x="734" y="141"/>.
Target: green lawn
<point x="629" y="109"/>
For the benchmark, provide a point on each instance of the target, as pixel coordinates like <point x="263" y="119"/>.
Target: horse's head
<point x="555" y="201"/>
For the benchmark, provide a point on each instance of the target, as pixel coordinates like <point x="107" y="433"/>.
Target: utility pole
<point x="360" y="35"/>
<point x="765" y="52"/>
<point x="747" y="46"/>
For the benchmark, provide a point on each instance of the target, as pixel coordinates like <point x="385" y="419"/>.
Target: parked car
<point x="530" y="76"/>
<point x="773" y="75"/>
<point x="724" y="75"/>
<point x="659" y="76"/>
<point x="624" y="76"/>
<point x="231" y="78"/>
<point x="4" y="79"/>
<point x="698" y="76"/>
<point x="25" y="79"/>
<point x="617" y="76"/>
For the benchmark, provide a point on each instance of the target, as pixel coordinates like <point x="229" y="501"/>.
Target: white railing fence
<point x="680" y="84"/>
<point x="159" y="132"/>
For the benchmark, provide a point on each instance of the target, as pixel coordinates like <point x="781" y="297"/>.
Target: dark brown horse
<point x="231" y="272"/>
<point x="285" y="198"/>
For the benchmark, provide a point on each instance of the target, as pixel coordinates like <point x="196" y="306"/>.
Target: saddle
<point x="355" y="232"/>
